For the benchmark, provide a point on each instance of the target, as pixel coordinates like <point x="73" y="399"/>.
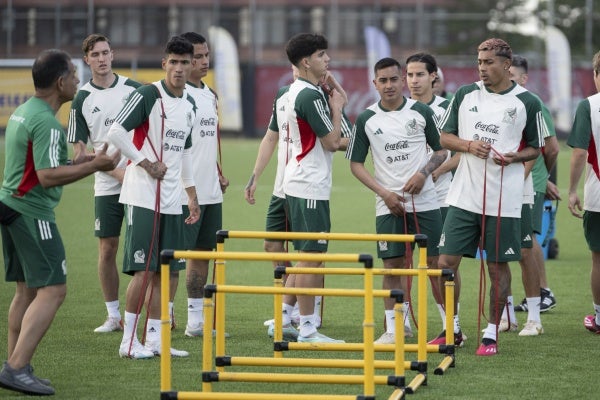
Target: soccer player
<point x="277" y="136"/>
<point x="584" y="139"/>
<point x="543" y="188"/>
<point x="497" y="125"/>
<point x="421" y="73"/>
<point x="210" y="183"/>
<point x="315" y="125"/>
<point x="398" y="130"/>
<point x="94" y="108"/>
<point x="537" y="295"/>
<point x="35" y="171"/>
<point x="162" y="115"/>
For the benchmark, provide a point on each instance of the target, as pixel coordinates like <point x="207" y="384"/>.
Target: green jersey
<point x="35" y="140"/>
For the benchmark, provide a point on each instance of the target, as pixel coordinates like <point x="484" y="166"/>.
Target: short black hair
<point x="425" y="58"/>
<point x="193" y="37"/>
<point x="520" y="62"/>
<point x="49" y="66"/>
<point x="303" y="45"/>
<point x="385" y="63"/>
<point x="179" y="45"/>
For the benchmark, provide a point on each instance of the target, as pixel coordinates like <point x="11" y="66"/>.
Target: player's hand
<point x="552" y="192"/>
<point x="575" y="205"/>
<point x="395" y="203"/>
<point x="105" y="162"/>
<point x="415" y="183"/>
<point x="480" y="149"/>
<point x="194" y="211"/>
<point x="506" y="158"/>
<point x="249" y="190"/>
<point x="224" y="182"/>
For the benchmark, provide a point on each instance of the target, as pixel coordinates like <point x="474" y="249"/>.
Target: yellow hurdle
<point x="216" y="309"/>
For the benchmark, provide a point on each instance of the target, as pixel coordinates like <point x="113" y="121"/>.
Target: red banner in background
<point x="354" y="81"/>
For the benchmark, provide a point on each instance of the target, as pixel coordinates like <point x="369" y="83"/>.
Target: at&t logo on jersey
<point x="400" y="157"/>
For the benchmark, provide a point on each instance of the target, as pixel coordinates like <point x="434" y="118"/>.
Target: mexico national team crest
<point x="510" y="115"/>
<point x="383" y="245"/>
<point x="411" y="127"/>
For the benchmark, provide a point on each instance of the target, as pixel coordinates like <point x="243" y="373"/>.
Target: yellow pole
<point x="219" y="305"/>
<point x="165" y="336"/>
<point x="207" y="343"/>
<point x="277" y="313"/>
<point x="399" y="355"/>
<point x="422" y="298"/>
<point x="369" y="333"/>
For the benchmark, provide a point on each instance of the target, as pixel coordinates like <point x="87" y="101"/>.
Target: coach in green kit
<point x="34" y="256"/>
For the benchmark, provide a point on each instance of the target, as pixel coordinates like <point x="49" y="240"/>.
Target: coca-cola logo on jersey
<point x="207" y="121"/>
<point x="401" y="144"/>
<point x="109" y="121"/>
<point x="488" y="128"/>
<point x="175" y="134"/>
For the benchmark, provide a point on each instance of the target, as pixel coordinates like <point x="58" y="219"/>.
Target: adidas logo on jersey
<point x="527" y="238"/>
<point x="378" y="132"/>
<point x="509" y="251"/>
<point x="95" y="110"/>
<point x="474" y="109"/>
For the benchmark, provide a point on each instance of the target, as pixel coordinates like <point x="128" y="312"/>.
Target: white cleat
<point x="137" y="352"/>
<point x="532" y="328"/>
<point x="110" y="325"/>
<point x="154" y="347"/>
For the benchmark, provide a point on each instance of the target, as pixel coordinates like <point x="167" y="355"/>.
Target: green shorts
<point x="203" y="234"/>
<point x="444" y="212"/>
<point x="277" y="217"/>
<point x="144" y="240"/>
<point x="33" y="252"/>
<point x="427" y="222"/>
<point x="527" y="236"/>
<point x="109" y="216"/>
<point x="462" y="231"/>
<point x="591" y="230"/>
<point x="309" y="216"/>
<point x="537" y="213"/>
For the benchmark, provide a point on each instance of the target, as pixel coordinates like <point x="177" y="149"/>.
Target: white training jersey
<point x="93" y="111"/>
<point x="509" y="121"/>
<point x="205" y="147"/>
<point x="398" y="141"/>
<point x="308" y="172"/>
<point x="144" y="113"/>
<point x="585" y="134"/>
<point x="439" y="105"/>
<point x="279" y="123"/>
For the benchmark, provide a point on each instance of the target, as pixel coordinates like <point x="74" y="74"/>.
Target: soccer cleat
<point x="42" y="380"/>
<point x="290" y="334"/>
<point x="488" y="347"/>
<point x="386" y="338"/>
<point x="110" y="325"/>
<point x="22" y="380"/>
<point x="590" y="324"/>
<point x="532" y="328"/>
<point x="459" y="339"/>
<point x="548" y="302"/>
<point x="198" y="330"/>
<point x="317" y="337"/>
<point x="154" y="347"/>
<point x="522" y="306"/>
<point x="506" y="327"/>
<point x="137" y="352"/>
<point x="408" y="333"/>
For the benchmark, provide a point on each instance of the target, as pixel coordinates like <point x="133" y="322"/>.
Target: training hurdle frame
<point x="422" y="272"/>
<point x="221" y="360"/>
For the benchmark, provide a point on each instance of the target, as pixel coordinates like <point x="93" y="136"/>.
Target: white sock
<point x="533" y="308"/>
<point x="456" y="324"/>
<point x="510" y="305"/>
<point x="195" y="312"/>
<point x="390" y="321"/>
<point x="170" y="309"/>
<point x="287" y="311"/>
<point x="318" y="300"/>
<point x="153" y="330"/>
<point x="307" y="327"/>
<point x="407" y="316"/>
<point x="113" y="309"/>
<point x="442" y="311"/>
<point x="490" y="332"/>
<point x="597" y="310"/>
<point x="129" y="326"/>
